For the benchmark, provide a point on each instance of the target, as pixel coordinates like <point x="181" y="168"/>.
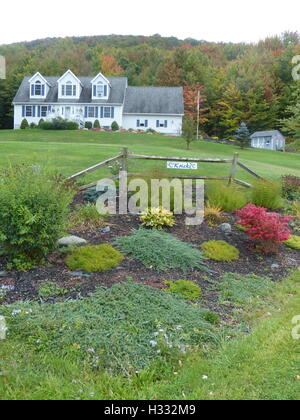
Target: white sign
<point x="182" y="165"/>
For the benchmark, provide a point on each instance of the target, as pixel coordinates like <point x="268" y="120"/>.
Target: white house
<point x="106" y="99"/>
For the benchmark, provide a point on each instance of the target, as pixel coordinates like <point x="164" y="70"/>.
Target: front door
<point x="67" y="112"/>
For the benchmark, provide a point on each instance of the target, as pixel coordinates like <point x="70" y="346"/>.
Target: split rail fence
<point x="125" y="156"/>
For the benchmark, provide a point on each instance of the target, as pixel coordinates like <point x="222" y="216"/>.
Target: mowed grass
<point x="72" y="151"/>
<point x="263" y="365"/>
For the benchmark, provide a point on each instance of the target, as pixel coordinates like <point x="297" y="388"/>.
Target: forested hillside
<point x="238" y="82"/>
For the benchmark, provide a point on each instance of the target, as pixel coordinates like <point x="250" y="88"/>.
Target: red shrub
<point x="269" y="229"/>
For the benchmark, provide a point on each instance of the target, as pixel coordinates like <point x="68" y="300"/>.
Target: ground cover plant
<point x="94" y="258"/>
<point x="104" y="330"/>
<point x="34" y="210"/>
<point x="184" y="288"/>
<point x="220" y="251"/>
<point x="243" y="289"/>
<point x="230" y="372"/>
<point x="161" y="251"/>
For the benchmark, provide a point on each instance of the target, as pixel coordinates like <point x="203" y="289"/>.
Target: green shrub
<point x="94" y="258"/>
<point x="243" y="288"/>
<point x="157" y="218"/>
<point x="24" y="124"/>
<point x="161" y="251"/>
<point x="59" y="124"/>
<point x="50" y="289"/>
<point x="97" y="124"/>
<point x="115" y="126"/>
<point x="88" y="125"/>
<point x="86" y="218"/>
<point x="184" y="288"/>
<point x="92" y="195"/>
<point x="293" y="242"/>
<point x="225" y="197"/>
<point x="220" y="251"/>
<point x="267" y="194"/>
<point x="41" y="122"/>
<point x="33" y="125"/>
<point x="34" y="210"/>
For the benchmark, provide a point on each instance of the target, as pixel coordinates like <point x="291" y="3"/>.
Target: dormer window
<point x="38" y="89"/>
<point x="68" y="89"/>
<point x="100" y="90"/>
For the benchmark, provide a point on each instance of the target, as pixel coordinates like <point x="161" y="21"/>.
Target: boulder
<point x="71" y="241"/>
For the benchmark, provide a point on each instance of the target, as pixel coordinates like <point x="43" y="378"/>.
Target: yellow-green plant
<point x="293" y="242"/>
<point x="157" y="218"/>
<point x="184" y="288"/>
<point x="94" y="258"/>
<point x="220" y="251"/>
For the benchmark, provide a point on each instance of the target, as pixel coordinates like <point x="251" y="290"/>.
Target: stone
<point x="78" y="274"/>
<point x="106" y="229"/>
<point x="3" y="274"/>
<point x="71" y="241"/>
<point x="275" y="266"/>
<point x="226" y="227"/>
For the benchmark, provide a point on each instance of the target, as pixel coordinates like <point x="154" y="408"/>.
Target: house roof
<point x="117" y="92"/>
<point x="154" y="100"/>
<point x="270" y="133"/>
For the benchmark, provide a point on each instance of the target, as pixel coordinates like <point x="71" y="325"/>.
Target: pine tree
<point x="243" y="135"/>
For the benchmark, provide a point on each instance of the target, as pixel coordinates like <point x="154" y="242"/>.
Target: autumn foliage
<point x="269" y="230"/>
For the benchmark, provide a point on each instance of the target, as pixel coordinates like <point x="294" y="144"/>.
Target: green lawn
<point x="263" y="365"/>
<point x="76" y="150"/>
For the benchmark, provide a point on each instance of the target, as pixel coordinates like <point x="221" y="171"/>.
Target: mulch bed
<point x="25" y="285"/>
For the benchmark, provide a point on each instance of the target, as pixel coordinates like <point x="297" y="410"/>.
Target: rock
<point x="3" y="274"/>
<point x="71" y="241"/>
<point x="119" y="268"/>
<point x="78" y="274"/>
<point x="106" y="229"/>
<point x="275" y="266"/>
<point x="226" y="228"/>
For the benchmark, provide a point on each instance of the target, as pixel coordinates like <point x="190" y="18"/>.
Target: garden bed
<point x="20" y="286"/>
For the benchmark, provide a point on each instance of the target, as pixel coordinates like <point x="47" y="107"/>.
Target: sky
<point x="211" y="20"/>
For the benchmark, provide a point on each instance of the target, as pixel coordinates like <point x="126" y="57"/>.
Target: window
<point x="107" y="112"/>
<point x="162" y="124"/>
<point x="37" y="89"/>
<point x="91" y="112"/>
<point x="28" y="111"/>
<point x="100" y="90"/>
<point x="68" y="89"/>
<point x="142" y="123"/>
<point x="44" y="111"/>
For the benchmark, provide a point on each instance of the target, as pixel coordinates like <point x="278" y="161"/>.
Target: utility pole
<point x="198" y="114"/>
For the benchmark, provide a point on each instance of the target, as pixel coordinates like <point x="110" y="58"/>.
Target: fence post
<point x="125" y="159"/>
<point x="232" y="175"/>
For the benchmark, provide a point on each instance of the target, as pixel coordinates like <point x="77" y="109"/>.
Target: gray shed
<point x="270" y="140"/>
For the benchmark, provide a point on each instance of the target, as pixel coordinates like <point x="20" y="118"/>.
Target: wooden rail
<point x="126" y="155"/>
